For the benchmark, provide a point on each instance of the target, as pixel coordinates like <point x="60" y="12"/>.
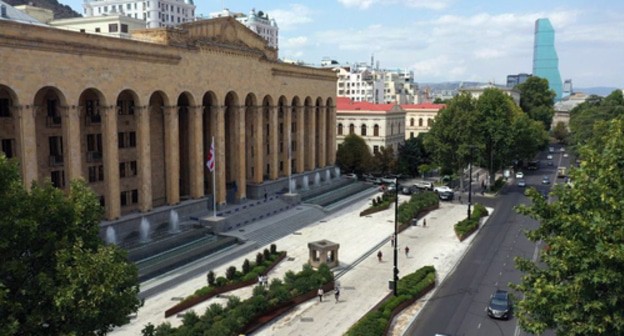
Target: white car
<point x="519" y="175"/>
<point x="441" y="189"/>
<point x="548" y="157"/>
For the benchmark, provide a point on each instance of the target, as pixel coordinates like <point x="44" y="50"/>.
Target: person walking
<point x="392" y="240"/>
<point x="337" y="293"/>
<point x="320" y="294"/>
<point x="406" y="251"/>
<point x="379" y="255"/>
<point x="424" y="222"/>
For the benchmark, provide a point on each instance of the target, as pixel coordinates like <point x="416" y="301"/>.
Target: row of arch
<point x="127" y="146"/>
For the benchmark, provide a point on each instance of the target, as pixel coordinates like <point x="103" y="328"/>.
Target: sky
<point x="446" y="40"/>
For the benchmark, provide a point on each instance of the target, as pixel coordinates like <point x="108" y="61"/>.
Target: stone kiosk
<point x="323" y="251"/>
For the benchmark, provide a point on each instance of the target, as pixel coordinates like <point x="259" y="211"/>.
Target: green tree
<point x="529" y="137"/>
<point x="560" y="132"/>
<point x="384" y="160"/>
<point x="494" y="136"/>
<point x="576" y="287"/>
<point x="412" y="154"/>
<point x="537" y="100"/>
<point x="354" y="155"/>
<point x="451" y="136"/>
<point x="57" y="276"/>
<point x="592" y="111"/>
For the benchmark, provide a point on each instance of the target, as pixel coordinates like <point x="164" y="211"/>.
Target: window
<point x="351" y="129"/>
<point x="129" y="6"/>
<point x="113" y="28"/>
<point x="412" y="122"/>
<point x="96" y="173"/>
<point x="392" y="129"/>
<point x="375" y="149"/>
<point x="376" y="130"/>
<point x="412" y="135"/>
<point x="429" y="122"/>
<point x="363" y="130"/>
<point x="420" y="122"/>
<point x="97" y="30"/>
<point x="124" y="28"/>
<point x="58" y="178"/>
<point x="121" y="139"/>
<point x="8" y="146"/>
<point x="339" y="129"/>
<point x="83" y="31"/>
<point x="5" y="110"/>
<point x="132" y="139"/>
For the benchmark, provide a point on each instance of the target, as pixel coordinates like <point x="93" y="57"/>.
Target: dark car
<point x="446" y="195"/>
<point x="408" y="190"/>
<point x="546" y="180"/>
<point x="500" y="305"/>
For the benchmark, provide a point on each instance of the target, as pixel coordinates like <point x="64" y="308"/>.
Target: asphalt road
<point x="459" y="305"/>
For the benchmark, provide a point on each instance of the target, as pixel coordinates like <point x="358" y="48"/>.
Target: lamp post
<point x="470" y="182"/>
<point x="396" y="238"/>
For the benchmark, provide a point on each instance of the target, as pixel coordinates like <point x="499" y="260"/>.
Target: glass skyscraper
<point x="545" y="60"/>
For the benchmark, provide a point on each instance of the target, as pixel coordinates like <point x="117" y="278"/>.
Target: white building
<point x="399" y="87"/>
<point x="259" y="22"/>
<point x="380" y="125"/>
<point x="476" y="92"/>
<point x="419" y="118"/>
<point x="360" y="83"/>
<point x="155" y="13"/>
<point x="113" y="25"/>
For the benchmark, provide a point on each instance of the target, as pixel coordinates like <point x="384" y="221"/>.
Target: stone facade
<point x="135" y="119"/>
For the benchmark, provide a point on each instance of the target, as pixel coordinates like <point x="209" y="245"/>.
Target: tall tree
<point x="576" y="286"/>
<point x="528" y="136"/>
<point x="593" y="110"/>
<point x="412" y="154"/>
<point x="496" y="112"/>
<point x="354" y="155"/>
<point x="384" y="161"/>
<point x="57" y="277"/>
<point x="537" y="100"/>
<point x="560" y="132"/>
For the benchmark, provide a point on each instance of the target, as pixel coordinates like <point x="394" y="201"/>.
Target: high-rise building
<point x="259" y="22"/>
<point x="545" y="60"/>
<point x="155" y="13"/>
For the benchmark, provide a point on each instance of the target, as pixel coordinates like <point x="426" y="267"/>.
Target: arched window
<point x="363" y="130"/>
<point x="376" y="130"/>
<point x="412" y="122"/>
<point x="339" y="129"/>
<point x="392" y="129"/>
<point x="420" y="122"/>
<point x="429" y="122"/>
<point x="399" y="126"/>
<point x="351" y="129"/>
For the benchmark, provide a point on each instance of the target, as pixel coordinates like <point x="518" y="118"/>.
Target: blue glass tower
<point x="545" y="60"/>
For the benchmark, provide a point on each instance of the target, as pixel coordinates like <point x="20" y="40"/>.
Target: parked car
<point x="500" y="305"/>
<point x="551" y="149"/>
<point x="546" y="180"/>
<point x="441" y="189"/>
<point x="424" y="185"/>
<point x="521" y="183"/>
<point x="446" y="195"/>
<point x="549" y="157"/>
<point x="351" y="175"/>
<point x="549" y="162"/>
<point x="519" y="175"/>
<point x="408" y="190"/>
<point x="388" y="179"/>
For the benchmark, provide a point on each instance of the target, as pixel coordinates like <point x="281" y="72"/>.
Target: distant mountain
<point x="60" y="11"/>
<point x="449" y="85"/>
<point x="596" y="90"/>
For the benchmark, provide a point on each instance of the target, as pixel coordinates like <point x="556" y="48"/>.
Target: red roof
<point x="346" y="104"/>
<point x="423" y="106"/>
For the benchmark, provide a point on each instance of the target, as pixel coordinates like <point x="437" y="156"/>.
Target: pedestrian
<point x="266" y="196"/>
<point x="337" y="293"/>
<point x="320" y="294"/>
<point x="379" y="255"/>
<point x="459" y="198"/>
<point x="392" y="240"/>
<point x="424" y="222"/>
<point x="406" y="251"/>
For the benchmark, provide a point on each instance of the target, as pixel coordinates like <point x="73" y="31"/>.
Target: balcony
<point x="94" y="157"/>
<point x="53" y="121"/>
<point x="56" y="160"/>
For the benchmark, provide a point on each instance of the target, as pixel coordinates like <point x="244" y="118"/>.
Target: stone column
<point x="273" y="143"/>
<point x="258" y="145"/>
<point x="172" y="155"/>
<point x="27" y="143"/>
<point x="196" y="151"/>
<point x="238" y="157"/>
<point x="310" y="157"/>
<point x="111" y="162"/>
<point x="287" y="140"/>
<point x="331" y="137"/>
<point x="322" y="131"/>
<point x="217" y="128"/>
<point x="73" y="152"/>
<point x="300" y="135"/>
<point x="144" y="153"/>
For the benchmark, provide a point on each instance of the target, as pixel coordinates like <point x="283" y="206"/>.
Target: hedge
<point x="464" y="228"/>
<point x="387" y="200"/>
<point x="410" y="288"/>
<point x="224" y="285"/>
<point x="418" y="205"/>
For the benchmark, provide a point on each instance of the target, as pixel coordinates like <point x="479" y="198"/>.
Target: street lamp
<point x="470" y="182"/>
<point x="396" y="238"/>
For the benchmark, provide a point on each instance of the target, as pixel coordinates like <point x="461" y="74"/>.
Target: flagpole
<point x="289" y="162"/>
<point x="214" y="186"/>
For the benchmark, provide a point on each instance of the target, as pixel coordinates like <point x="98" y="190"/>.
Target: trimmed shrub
<point x="230" y="273"/>
<point x="466" y="227"/>
<point x="221" y="281"/>
<point x="267" y="254"/>
<point x="246" y="266"/>
<point x="273" y="249"/>
<point x="210" y="277"/>
<point x="259" y="258"/>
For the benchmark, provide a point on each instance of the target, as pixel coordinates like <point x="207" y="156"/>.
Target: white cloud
<point x="295" y="42"/>
<point x="427" y="4"/>
<point x="295" y="15"/>
<point x="362" y="4"/>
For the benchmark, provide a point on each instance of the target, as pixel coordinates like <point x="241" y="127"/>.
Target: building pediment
<point x="223" y="32"/>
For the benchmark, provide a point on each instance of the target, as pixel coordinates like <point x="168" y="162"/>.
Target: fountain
<point x="337" y="172"/>
<point x="317" y="179"/>
<point x="111" y="236"/>
<point x="144" y="230"/>
<point x="174" y="222"/>
<point x="293" y="186"/>
<point x="304" y="183"/>
<point x="327" y="175"/>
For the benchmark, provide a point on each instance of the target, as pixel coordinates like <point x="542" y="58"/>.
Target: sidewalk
<point x="362" y="287"/>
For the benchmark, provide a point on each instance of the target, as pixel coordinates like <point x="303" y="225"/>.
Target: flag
<point x="211" y="159"/>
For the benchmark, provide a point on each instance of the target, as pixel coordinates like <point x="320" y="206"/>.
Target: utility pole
<point x="396" y="238"/>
